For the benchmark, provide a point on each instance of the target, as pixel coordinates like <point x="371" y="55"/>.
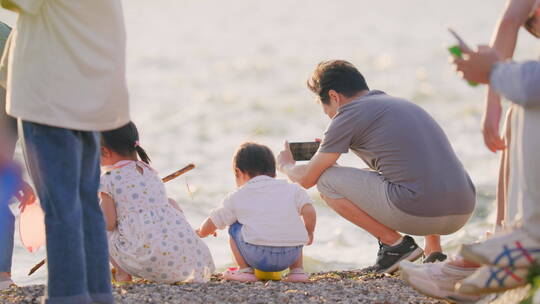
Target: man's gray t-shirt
<point x="408" y="148"/>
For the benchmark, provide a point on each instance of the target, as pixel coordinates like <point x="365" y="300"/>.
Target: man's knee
<point x="326" y="182"/>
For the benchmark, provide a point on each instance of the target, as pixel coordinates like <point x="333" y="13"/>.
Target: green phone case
<point x="456" y="51"/>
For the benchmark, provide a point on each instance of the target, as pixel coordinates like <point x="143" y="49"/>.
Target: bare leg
<point x="459" y="262"/>
<point x="357" y="216"/>
<point x="237" y="255"/>
<point x="433" y="244"/>
<point x="296" y="271"/>
<point x="504" y="173"/>
<point x="121" y="275"/>
<point x="299" y="263"/>
<point x="5" y="275"/>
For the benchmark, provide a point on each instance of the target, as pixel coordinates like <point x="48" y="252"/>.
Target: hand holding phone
<point x="459" y="49"/>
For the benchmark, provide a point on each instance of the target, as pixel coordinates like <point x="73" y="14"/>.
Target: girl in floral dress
<point x="149" y="236"/>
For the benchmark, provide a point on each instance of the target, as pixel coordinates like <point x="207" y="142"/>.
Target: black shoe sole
<point x="412" y="256"/>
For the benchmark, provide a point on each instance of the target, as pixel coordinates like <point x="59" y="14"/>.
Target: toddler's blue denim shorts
<point x="265" y="258"/>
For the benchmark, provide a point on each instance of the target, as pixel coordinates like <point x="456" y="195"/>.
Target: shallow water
<point x="205" y="76"/>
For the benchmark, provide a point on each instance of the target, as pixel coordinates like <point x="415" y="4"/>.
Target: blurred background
<point x="205" y="76"/>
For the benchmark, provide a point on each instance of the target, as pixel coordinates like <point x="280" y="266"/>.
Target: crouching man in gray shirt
<point x="415" y="183"/>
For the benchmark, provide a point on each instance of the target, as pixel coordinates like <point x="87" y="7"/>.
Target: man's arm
<point x="306" y="175"/>
<point x="518" y="82"/>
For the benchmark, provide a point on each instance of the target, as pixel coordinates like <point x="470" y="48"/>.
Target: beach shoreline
<point x="326" y="287"/>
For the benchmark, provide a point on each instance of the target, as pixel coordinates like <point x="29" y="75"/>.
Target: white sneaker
<point x="489" y="279"/>
<point x="437" y="280"/>
<point x="5" y="283"/>
<point x="513" y="249"/>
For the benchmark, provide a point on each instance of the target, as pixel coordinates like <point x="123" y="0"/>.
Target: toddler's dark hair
<point x="255" y="159"/>
<point x="124" y="141"/>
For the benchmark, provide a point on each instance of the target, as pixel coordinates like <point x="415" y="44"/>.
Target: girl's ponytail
<point x="142" y="154"/>
<point x="124" y="141"/>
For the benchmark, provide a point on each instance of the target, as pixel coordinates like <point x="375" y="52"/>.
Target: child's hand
<point x="310" y="238"/>
<point x="25" y="195"/>
<point x="202" y="236"/>
<point x="198" y="231"/>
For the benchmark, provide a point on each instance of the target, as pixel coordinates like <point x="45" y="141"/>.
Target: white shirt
<point x="66" y="64"/>
<point x="269" y="210"/>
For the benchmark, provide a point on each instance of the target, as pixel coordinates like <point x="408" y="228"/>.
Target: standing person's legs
<point x="95" y="236"/>
<point x="54" y="158"/>
<point x="504" y="174"/>
<point x="521" y="246"/>
<point x="7" y="230"/>
<point x="7" y="223"/>
<point x="529" y="166"/>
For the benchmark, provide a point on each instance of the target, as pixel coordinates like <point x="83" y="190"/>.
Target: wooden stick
<point x="176" y="174"/>
<point x="167" y="178"/>
<point x="38" y="266"/>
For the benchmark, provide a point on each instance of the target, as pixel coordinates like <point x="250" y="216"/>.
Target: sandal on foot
<point x="297" y="275"/>
<point x="6" y="283"/>
<point x="119" y="283"/>
<point x="240" y="275"/>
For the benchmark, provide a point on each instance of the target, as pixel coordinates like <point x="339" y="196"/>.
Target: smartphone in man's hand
<point x="304" y="150"/>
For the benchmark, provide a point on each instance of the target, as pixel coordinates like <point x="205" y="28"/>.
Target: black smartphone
<point x="304" y="150"/>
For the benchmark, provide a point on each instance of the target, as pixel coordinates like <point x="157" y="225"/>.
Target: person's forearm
<point x="492" y="97"/>
<point x="310" y="217"/>
<point x="506" y="33"/>
<point x="517" y="82"/>
<point x="208" y="227"/>
<point x="296" y="173"/>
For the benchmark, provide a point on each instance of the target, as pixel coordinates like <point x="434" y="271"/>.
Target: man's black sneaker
<point x="435" y="257"/>
<point x="388" y="257"/>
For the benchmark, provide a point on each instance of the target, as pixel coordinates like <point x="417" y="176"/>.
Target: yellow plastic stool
<point x="268" y="276"/>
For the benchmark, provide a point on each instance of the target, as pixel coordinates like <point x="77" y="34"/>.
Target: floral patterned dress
<point x="152" y="240"/>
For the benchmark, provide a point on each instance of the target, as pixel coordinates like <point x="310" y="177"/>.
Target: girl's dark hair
<point x="255" y="159"/>
<point x="124" y="141"/>
<point x="338" y="75"/>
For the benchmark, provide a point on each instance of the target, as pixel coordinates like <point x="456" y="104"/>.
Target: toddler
<point x="269" y="219"/>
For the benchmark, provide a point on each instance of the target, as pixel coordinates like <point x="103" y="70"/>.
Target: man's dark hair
<point x="255" y="159"/>
<point x="124" y="141"/>
<point x="338" y="75"/>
